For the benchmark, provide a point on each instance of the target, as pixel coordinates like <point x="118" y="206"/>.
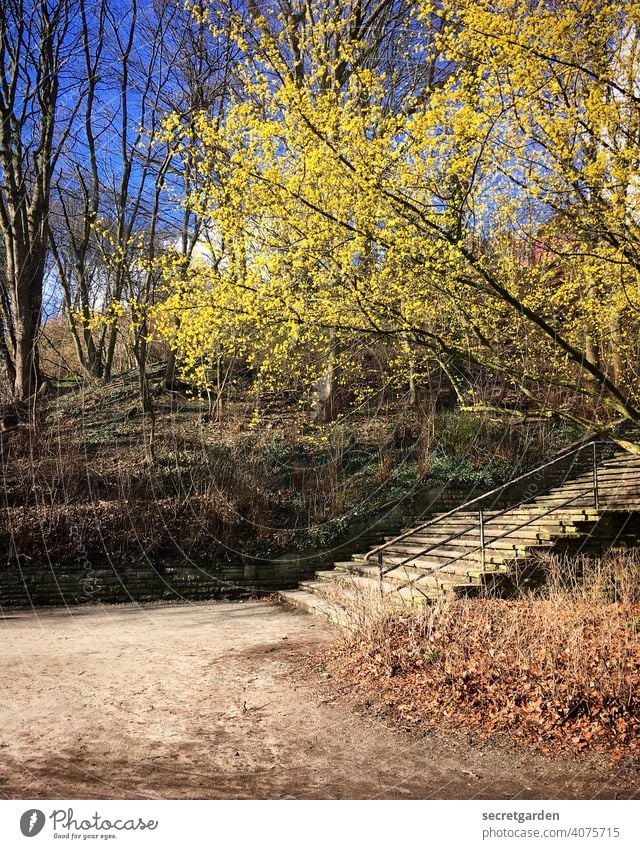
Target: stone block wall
<point x="29" y="586"/>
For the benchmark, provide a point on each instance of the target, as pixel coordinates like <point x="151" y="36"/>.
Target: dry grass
<point x="78" y="482"/>
<point x="560" y="669"/>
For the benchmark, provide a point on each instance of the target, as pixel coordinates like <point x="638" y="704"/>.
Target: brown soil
<point x="227" y="700"/>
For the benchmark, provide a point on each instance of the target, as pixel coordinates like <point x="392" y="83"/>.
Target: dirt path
<point x="216" y="701"/>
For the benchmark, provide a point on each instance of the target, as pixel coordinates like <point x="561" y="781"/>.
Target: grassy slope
<point x="82" y="483"/>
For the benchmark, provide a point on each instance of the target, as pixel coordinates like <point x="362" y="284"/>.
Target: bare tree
<point x="120" y="186"/>
<point x="77" y="205"/>
<point x="37" y="108"/>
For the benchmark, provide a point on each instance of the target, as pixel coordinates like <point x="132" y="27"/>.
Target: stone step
<point x="359" y="584"/>
<point x="530" y="534"/>
<point x="364" y="570"/>
<point x="523" y="513"/>
<point x="477" y="576"/>
<point x="506" y="534"/>
<point x="608" y="469"/>
<point x="623" y="500"/>
<point x="403" y="575"/>
<point x="606" y="484"/>
<point x="447" y="551"/>
<point x="460" y="566"/>
<point x="311" y="602"/>
<point x="586" y="492"/>
<point x="626" y="461"/>
<point x="566" y="514"/>
<point x="607" y="473"/>
<point x="503" y="532"/>
<point x="461" y="546"/>
<point x="548" y="506"/>
<point x="581" y="499"/>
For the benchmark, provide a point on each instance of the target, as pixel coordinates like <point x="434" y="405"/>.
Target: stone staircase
<point x="475" y="548"/>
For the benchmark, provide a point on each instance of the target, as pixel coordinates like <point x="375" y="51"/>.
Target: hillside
<point x="83" y="484"/>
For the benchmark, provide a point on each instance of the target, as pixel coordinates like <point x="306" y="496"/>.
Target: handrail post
<point x="481" y="523"/>
<point x="380" y="571"/>
<point x="596" y="497"/>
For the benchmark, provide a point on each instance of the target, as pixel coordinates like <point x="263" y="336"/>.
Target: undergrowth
<point x="559" y="669"/>
<point x="82" y="484"/>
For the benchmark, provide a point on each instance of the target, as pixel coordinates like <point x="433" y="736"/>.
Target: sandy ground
<point x="222" y="700"/>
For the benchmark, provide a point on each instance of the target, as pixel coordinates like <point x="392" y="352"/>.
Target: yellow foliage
<point x="492" y="215"/>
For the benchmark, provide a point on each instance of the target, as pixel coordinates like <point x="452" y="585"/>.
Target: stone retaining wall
<point x="42" y="587"/>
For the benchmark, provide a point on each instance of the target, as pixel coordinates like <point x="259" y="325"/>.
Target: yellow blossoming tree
<point x="459" y="179"/>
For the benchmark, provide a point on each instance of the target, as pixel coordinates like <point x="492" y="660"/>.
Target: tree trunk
<point x="323" y="403"/>
<point x="616" y="367"/>
<point x="26" y="275"/>
<point x="170" y="371"/>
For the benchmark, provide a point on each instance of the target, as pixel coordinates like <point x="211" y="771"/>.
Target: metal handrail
<point x="482" y="547"/>
<point x="378" y="551"/>
<point x="478" y="498"/>
<point x="481" y="524"/>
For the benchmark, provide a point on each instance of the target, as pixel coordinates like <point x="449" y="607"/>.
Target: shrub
<point x="560" y="669"/>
